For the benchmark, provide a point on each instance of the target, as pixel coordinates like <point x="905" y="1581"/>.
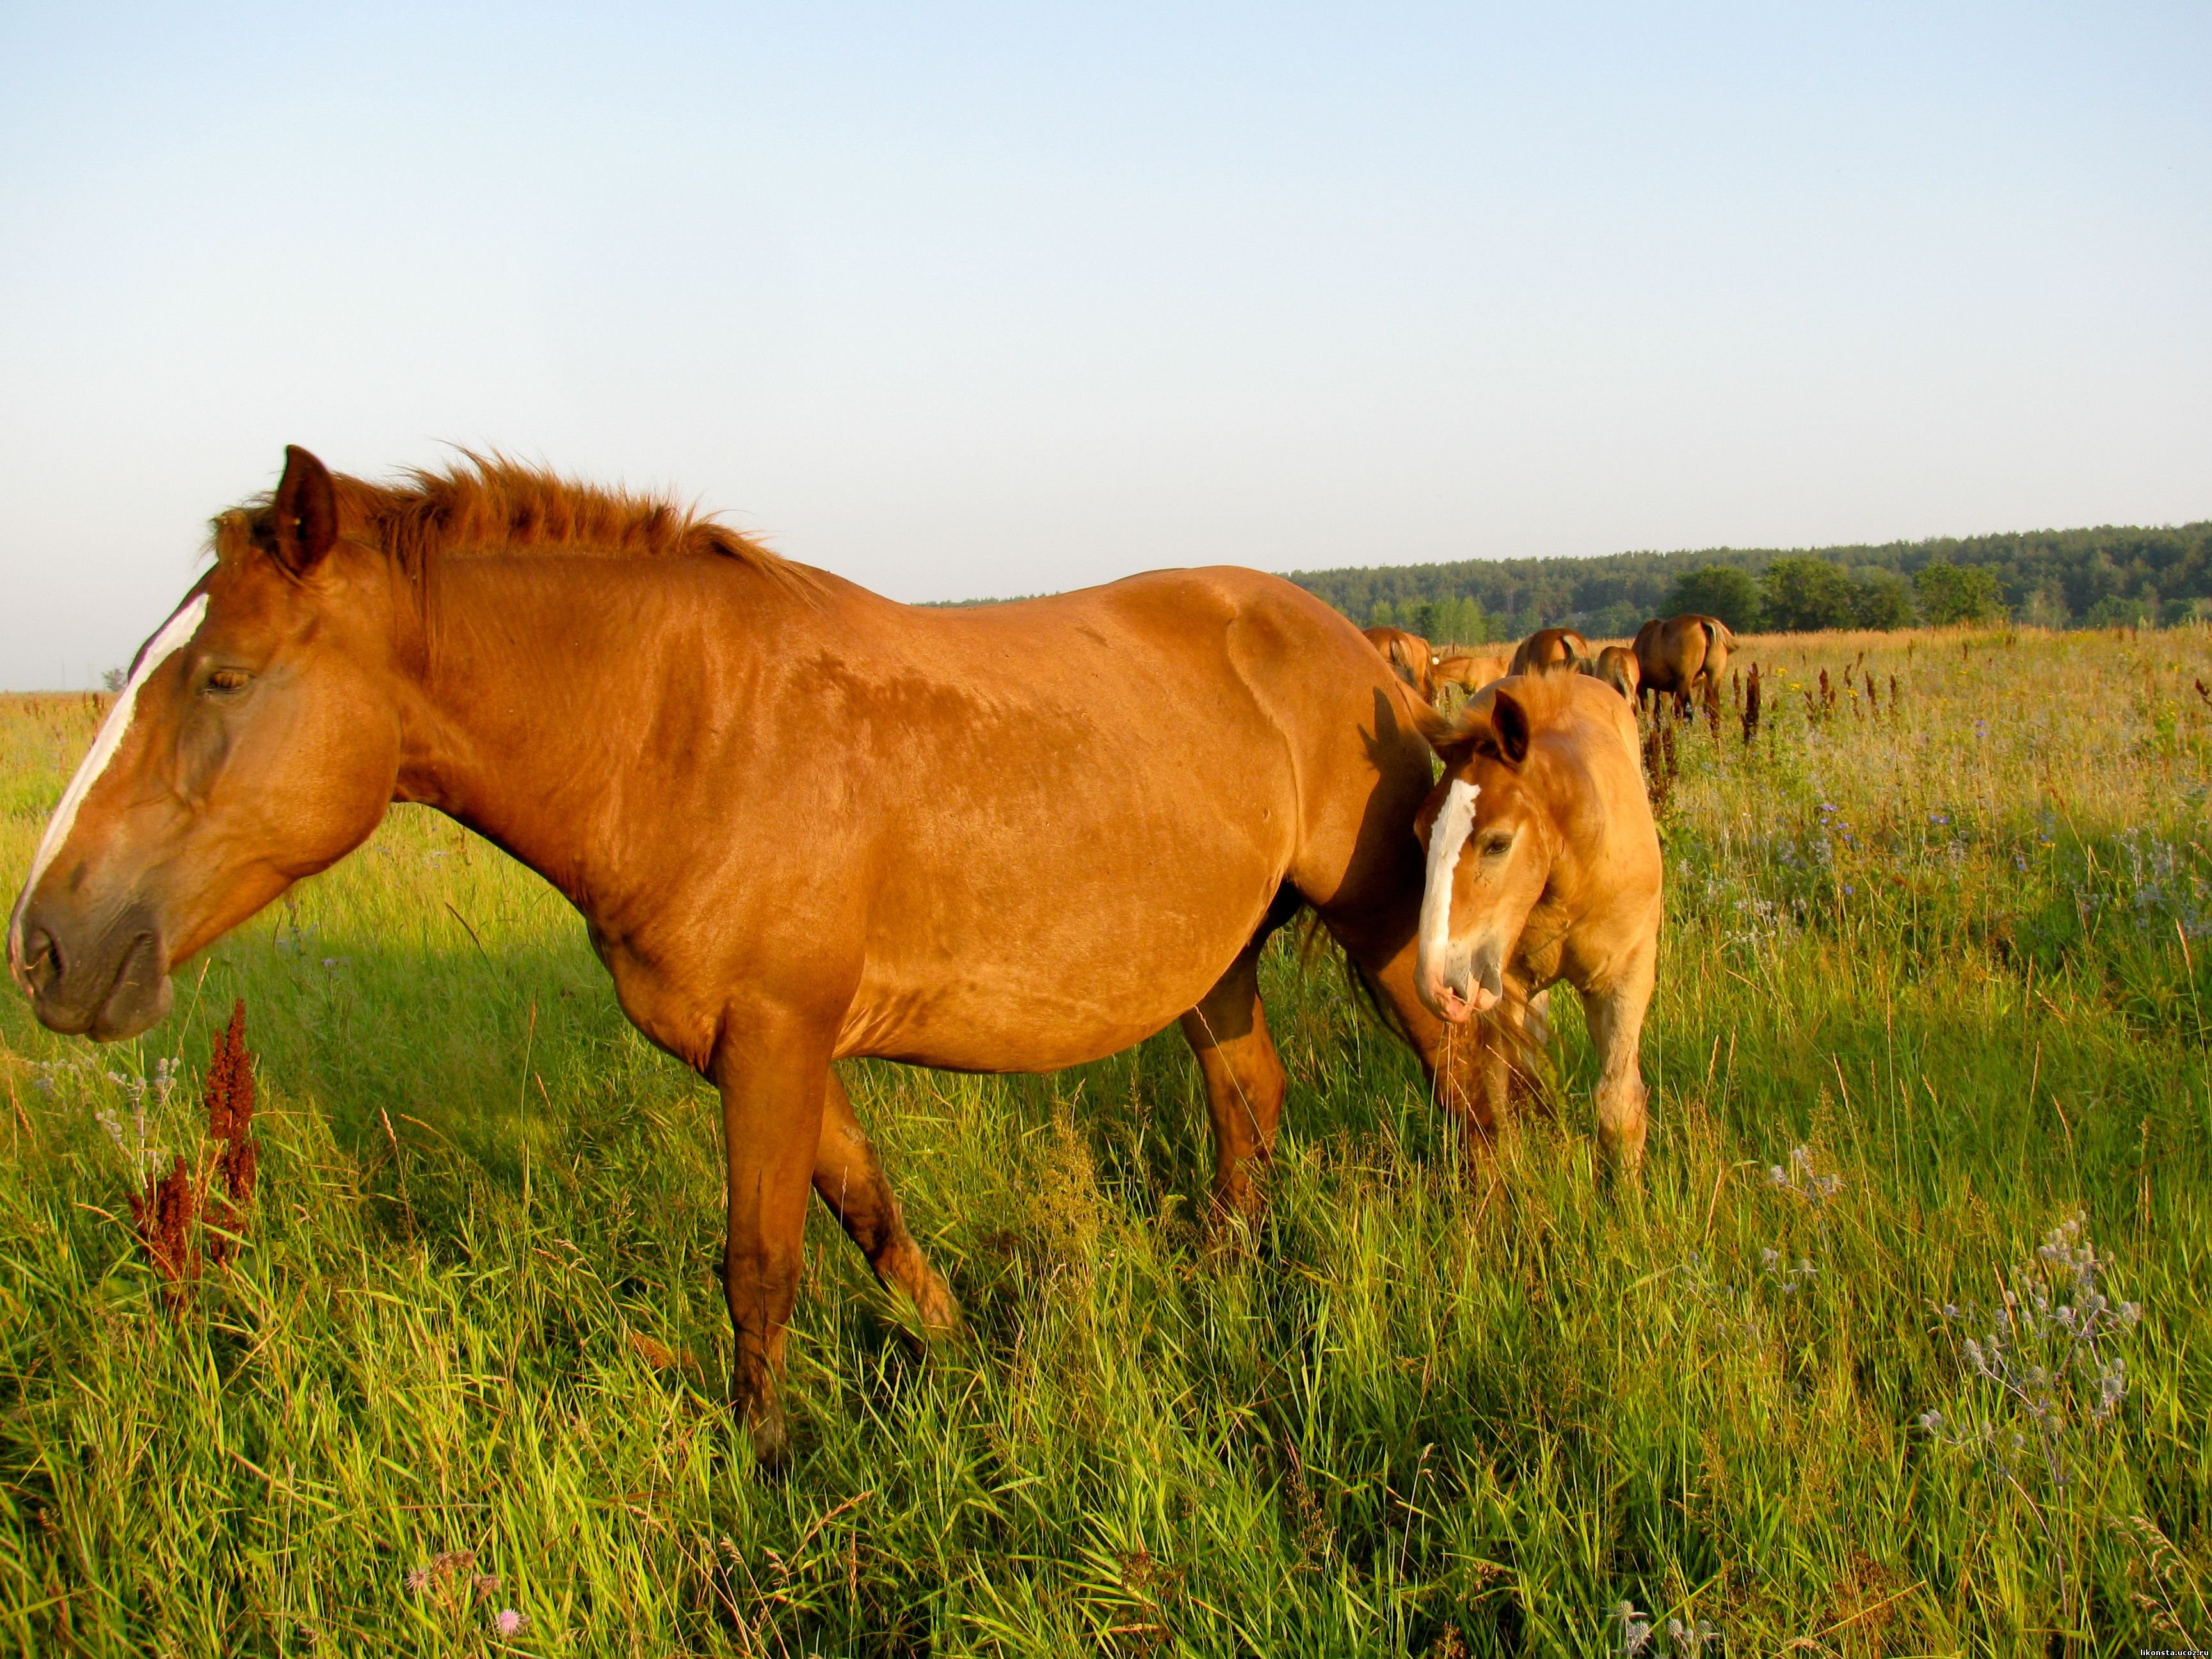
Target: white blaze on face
<point x="174" y="634"/>
<point x="1446" y="836"/>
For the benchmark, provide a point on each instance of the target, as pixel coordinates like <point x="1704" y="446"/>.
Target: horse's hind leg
<point x="1244" y="1083"/>
<point x="849" y="1177"/>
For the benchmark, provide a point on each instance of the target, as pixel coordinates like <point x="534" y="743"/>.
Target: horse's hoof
<point x="771" y="1442"/>
<point x="939" y="1310"/>
<point x="761" y="1410"/>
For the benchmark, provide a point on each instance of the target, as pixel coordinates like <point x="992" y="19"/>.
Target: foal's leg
<point x="1615" y="1017"/>
<point x="773" y="1080"/>
<point x="850" y="1179"/>
<point x="1537" y="1021"/>
<point x="1244" y="1083"/>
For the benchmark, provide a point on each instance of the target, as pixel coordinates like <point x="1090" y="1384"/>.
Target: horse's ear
<point x="1509" y="725"/>
<point x="307" y="512"/>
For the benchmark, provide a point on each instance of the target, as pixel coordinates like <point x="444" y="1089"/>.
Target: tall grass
<point x="1933" y="985"/>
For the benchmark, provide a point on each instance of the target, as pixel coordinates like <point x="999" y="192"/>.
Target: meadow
<point x="1903" y="1346"/>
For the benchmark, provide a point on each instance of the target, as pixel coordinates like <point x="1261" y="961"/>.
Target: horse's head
<point x="1490" y="843"/>
<point x="255" y="741"/>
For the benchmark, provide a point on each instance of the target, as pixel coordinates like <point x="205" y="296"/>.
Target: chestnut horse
<point x="1469" y="674"/>
<point x="1413" y="656"/>
<point x="1549" y="647"/>
<point x="802" y="822"/>
<point x="1616" y="665"/>
<point x="1685" y="655"/>
<point x="1543" y="864"/>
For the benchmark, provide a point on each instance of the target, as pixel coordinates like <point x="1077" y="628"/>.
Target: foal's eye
<point x="228" y="679"/>
<point x="1493" y="846"/>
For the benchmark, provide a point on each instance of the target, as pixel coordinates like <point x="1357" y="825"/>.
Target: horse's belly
<point x="1032" y="988"/>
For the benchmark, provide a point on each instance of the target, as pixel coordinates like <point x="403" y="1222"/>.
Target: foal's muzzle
<point x="1464" y="985"/>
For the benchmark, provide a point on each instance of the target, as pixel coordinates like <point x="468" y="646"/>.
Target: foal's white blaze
<point x="174" y="634"/>
<point x="1446" y="836"/>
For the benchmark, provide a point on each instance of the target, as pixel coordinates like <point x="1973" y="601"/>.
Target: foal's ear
<point x="1509" y="726"/>
<point x="307" y="512"/>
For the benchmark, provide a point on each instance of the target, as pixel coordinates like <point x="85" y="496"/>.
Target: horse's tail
<point x="1720" y="639"/>
<point x="1408" y="670"/>
<point x="1313" y="937"/>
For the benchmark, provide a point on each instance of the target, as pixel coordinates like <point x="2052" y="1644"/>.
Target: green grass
<point x="1963" y="967"/>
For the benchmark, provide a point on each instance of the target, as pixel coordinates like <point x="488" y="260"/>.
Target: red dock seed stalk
<point x="1660" y="765"/>
<point x="164" y="1214"/>
<point x="170" y="1214"/>
<point x="229" y="1096"/>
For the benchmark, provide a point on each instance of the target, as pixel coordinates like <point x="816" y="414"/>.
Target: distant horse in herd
<point x="1412" y="657"/>
<point x="803" y="823"/>
<point x="1683" y="657"/>
<point x="1549" y="647"/>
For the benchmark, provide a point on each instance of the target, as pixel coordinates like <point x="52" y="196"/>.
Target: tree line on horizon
<point x="2111" y="576"/>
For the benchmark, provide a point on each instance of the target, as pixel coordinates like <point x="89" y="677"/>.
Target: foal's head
<point x="256" y="742"/>
<point x="1490" y="840"/>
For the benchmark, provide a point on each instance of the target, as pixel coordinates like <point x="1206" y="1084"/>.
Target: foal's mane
<point x="487" y="504"/>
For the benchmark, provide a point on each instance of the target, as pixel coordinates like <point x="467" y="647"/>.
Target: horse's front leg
<point x="771" y="1074"/>
<point x="1615" y="1017"/>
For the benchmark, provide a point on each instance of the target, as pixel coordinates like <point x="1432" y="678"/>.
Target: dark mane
<point x="488" y="504"/>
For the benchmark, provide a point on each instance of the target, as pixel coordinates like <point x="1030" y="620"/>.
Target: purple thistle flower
<point x="508" y="1622"/>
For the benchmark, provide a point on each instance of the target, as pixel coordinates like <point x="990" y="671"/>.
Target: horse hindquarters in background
<point x="1548" y="648"/>
<point x="1683" y="656"/>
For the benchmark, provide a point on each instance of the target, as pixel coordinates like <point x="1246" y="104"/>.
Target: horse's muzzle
<point x="102" y="978"/>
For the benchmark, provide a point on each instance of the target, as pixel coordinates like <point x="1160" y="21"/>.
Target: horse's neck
<point x="535" y="708"/>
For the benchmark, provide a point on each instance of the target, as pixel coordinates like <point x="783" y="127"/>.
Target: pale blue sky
<point x="966" y="301"/>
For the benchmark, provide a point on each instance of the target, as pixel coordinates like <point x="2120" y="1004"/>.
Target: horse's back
<point x="1121" y="781"/>
<point x="1618" y="839"/>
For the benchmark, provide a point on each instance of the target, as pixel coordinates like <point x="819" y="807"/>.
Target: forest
<point x="2111" y="576"/>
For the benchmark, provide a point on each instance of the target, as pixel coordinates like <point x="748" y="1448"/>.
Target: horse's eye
<point x="1492" y="846"/>
<point x="228" y="679"/>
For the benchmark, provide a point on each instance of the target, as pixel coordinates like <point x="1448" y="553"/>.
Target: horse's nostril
<point x="42" y="958"/>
